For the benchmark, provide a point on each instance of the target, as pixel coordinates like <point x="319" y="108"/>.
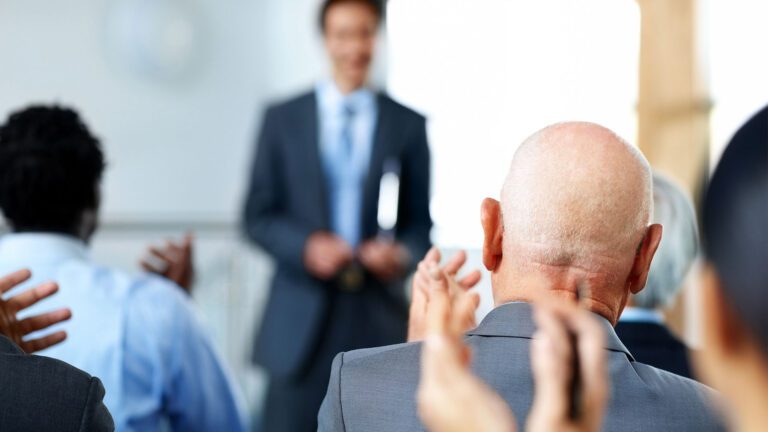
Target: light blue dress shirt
<point x="139" y="335"/>
<point x="347" y="128"/>
<point x="640" y="315"/>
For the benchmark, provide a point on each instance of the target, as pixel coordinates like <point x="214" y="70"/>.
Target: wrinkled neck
<point x="533" y="282"/>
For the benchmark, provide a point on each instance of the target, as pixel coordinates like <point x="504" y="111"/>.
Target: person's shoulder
<point x="382" y="353"/>
<point x="672" y="384"/>
<point x="148" y="286"/>
<point x="292" y="103"/>
<point x="67" y="394"/>
<point x="400" y="109"/>
<point x="399" y="361"/>
<point x="677" y="400"/>
<point x="155" y="303"/>
<point x="59" y="377"/>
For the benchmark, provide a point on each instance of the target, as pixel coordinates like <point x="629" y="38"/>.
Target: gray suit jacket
<point x="43" y="394"/>
<point x="374" y="389"/>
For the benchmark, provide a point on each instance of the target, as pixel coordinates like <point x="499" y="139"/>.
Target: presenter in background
<point x="329" y="163"/>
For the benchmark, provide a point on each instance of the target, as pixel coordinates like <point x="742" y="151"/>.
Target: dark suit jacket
<point x="374" y="390"/>
<point x="287" y="202"/>
<point x="43" y="394"/>
<point x="655" y="345"/>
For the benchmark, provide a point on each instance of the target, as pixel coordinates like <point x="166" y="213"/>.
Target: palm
<point x="16" y="329"/>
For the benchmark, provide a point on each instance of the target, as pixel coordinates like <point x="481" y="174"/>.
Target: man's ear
<point x="493" y="233"/>
<point x="645" y="252"/>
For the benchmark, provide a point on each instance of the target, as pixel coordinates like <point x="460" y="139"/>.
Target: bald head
<point x="578" y="199"/>
<point x="574" y="191"/>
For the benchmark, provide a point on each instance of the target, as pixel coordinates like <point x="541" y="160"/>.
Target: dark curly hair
<point x="50" y="169"/>
<point x="375" y="6"/>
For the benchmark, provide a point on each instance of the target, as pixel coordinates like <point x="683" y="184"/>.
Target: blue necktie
<point x="347" y="143"/>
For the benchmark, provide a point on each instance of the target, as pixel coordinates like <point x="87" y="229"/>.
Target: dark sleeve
<point x="266" y="221"/>
<point x="413" y="220"/>
<point x="330" y="417"/>
<point x="96" y="416"/>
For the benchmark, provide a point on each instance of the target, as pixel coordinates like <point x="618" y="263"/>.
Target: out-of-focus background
<point x="175" y="89"/>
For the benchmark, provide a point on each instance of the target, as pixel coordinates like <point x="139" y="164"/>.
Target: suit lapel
<point x="379" y="152"/>
<point x="317" y="183"/>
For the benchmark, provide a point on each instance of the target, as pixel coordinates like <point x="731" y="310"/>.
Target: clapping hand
<point x="15" y="329"/>
<point x="174" y="262"/>
<point x="450" y="397"/>
<point x="421" y="282"/>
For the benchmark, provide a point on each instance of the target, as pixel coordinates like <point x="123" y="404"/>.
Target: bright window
<point x="488" y="73"/>
<point x="737" y="36"/>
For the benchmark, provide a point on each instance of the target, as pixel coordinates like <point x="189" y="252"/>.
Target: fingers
<point x="433" y="255"/>
<point x="40" y="322"/>
<point x="470" y="280"/>
<point x="439" y="308"/>
<point x="453" y="265"/>
<point x="165" y="255"/>
<point x="189" y="239"/>
<point x="10" y="281"/>
<point x="32" y="296"/>
<point x="151" y="267"/>
<point x="463" y="316"/>
<point x="593" y="361"/>
<point x="551" y="363"/>
<point x="45" y="342"/>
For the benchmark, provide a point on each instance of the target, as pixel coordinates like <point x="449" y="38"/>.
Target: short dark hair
<point x="375" y="5"/>
<point x="50" y="169"/>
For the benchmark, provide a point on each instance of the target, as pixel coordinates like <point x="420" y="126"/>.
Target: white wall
<point x="179" y="140"/>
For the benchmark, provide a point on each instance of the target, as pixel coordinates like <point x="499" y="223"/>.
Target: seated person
<point x="576" y="208"/>
<point x="139" y="335"/>
<point x="641" y="325"/>
<point x="38" y="393"/>
<point x="734" y="357"/>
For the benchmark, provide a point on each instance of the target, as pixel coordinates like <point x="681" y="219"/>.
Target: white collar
<point x="641" y="315"/>
<point x="330" y="97"/>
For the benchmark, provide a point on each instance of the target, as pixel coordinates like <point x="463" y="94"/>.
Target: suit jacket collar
<point x="8" y="347"/>
<point x="516" y="320"/>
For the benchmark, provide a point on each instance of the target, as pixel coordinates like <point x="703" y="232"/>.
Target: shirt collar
<point x="516" y="320"/>
<point x="332" y="99"/>
<point x="42" y="247"/>
<point x="641" y="315"/>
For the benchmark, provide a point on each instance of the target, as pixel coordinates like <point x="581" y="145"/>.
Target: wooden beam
<point x="673" y="103"/>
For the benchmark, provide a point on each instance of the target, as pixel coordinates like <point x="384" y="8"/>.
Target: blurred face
<point x="350" y="38"/>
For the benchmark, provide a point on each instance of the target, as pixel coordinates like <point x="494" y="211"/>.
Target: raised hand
<point x="450" y="398"/>
<point x="175" y="261"/>
<point x="552" y="363"/>
<point x="420" y="288"/>
<point x="15" y="329"/>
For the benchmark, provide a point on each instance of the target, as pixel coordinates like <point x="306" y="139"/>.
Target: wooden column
<point x="673" y="103"/>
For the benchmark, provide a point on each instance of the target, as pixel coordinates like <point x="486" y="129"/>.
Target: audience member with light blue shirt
<point x="138" y="333"/>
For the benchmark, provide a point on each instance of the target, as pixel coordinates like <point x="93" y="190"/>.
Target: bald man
<point x="575" y="211"/>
